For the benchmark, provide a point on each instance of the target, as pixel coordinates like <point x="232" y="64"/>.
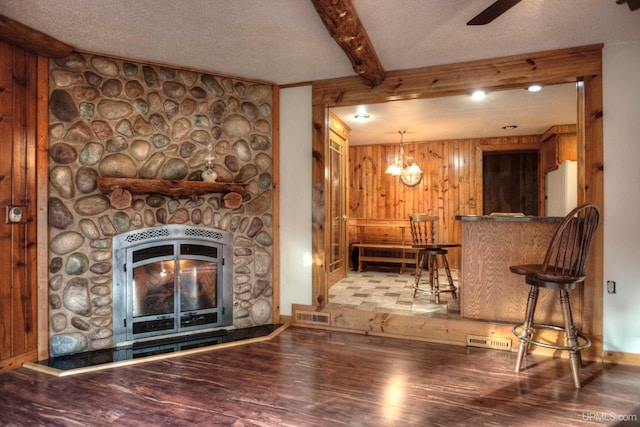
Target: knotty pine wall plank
<point x="451" y="183"/>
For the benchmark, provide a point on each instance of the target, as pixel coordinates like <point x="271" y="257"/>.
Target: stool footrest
<point x="517" y="331"/>
<point x="434" y="291"/>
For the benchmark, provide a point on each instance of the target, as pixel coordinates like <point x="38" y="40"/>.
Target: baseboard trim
<point x="16" y="362"/>
<point x="620" y="358"/>
<point x="285" y="319"/>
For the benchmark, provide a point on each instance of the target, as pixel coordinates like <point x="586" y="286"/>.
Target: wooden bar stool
<point x="562" y="269"/>
<point x="423" y="236"/>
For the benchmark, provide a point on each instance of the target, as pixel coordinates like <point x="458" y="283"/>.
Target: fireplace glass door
<point x="174" y="288"/>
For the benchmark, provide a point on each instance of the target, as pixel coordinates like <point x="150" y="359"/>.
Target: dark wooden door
<point x="510" y="182"/>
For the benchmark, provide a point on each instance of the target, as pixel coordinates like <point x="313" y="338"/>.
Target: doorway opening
<point x="510" y="182"/>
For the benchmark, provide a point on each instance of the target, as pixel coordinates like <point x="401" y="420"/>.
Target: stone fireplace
<point x="114" y="119"/>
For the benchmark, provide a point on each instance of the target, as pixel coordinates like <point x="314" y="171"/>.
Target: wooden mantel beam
<point x="341" y="19"/>
<point x="18" y="34"/>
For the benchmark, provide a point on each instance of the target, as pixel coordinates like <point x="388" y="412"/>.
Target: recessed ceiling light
<point x="478" y="95"/>
<point x="509" y="127"/>
<point x="534" y="88"/>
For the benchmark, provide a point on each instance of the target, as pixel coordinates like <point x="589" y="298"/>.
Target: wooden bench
<point x="383" y="240"/>
<point x="404" y="259"/>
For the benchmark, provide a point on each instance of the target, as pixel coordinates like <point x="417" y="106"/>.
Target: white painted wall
<point x="621" y="86"/>
<point x="621" y="93"/>
<point x="295" y="197"/>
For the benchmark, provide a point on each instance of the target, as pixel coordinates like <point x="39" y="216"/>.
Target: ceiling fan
<point x="633" y="4"/>
<point x="501" y="6"/>
<point x="492" y="12"/>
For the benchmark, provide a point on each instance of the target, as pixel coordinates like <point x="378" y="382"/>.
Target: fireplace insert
<point x="171" y="280"/>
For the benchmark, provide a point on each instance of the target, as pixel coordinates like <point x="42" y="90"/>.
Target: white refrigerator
<point x="561" y="189"/>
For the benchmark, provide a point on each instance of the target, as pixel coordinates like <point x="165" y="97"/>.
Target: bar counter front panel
<point x="489" y="290"/>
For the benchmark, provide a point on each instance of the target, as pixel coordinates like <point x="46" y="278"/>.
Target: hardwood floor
<point x="311" y="377"/>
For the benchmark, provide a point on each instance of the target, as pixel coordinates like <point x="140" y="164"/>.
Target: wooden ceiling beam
<point x="341" y="19"/>
<point x="15" y="33"/>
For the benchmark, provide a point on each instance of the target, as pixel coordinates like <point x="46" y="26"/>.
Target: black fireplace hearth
<point x="128" y="354"/>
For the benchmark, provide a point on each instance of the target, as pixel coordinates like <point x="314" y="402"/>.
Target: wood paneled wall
<point x="451" y="184"/>
<point x="20" y="109"/>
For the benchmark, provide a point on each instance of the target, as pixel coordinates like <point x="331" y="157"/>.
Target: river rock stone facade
<point x="121" y="119"/>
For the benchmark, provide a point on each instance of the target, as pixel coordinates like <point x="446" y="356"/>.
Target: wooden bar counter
<point x="489" y="290"/>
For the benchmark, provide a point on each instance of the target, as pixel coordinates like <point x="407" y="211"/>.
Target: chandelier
<point x="409" y="172"/>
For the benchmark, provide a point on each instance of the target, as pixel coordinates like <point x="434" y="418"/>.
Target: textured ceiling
<point x="285" y="42"/>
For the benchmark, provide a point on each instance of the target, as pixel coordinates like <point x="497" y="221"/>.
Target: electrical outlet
<point x="16" y="214"/>
<point x="611" y="287"/>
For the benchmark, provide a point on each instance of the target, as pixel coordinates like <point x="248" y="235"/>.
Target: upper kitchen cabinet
<point x="559" y="143"/>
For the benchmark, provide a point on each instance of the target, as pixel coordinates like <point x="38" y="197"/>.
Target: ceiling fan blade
<point x="633" y="4"/>
<point x="493" y="11"/>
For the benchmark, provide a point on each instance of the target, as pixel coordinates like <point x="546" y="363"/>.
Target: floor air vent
<point x="313" y="318"/>
<point x="488" y="342"/>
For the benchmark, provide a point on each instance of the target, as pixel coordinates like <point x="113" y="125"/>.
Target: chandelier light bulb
<point x="399" y="167"/>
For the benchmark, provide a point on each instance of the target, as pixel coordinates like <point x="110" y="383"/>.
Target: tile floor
<point x="391" y="292"/>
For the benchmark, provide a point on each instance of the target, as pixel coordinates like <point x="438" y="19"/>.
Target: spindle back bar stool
<point x="562" y="269"/>
<point x="423" y="234"/>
